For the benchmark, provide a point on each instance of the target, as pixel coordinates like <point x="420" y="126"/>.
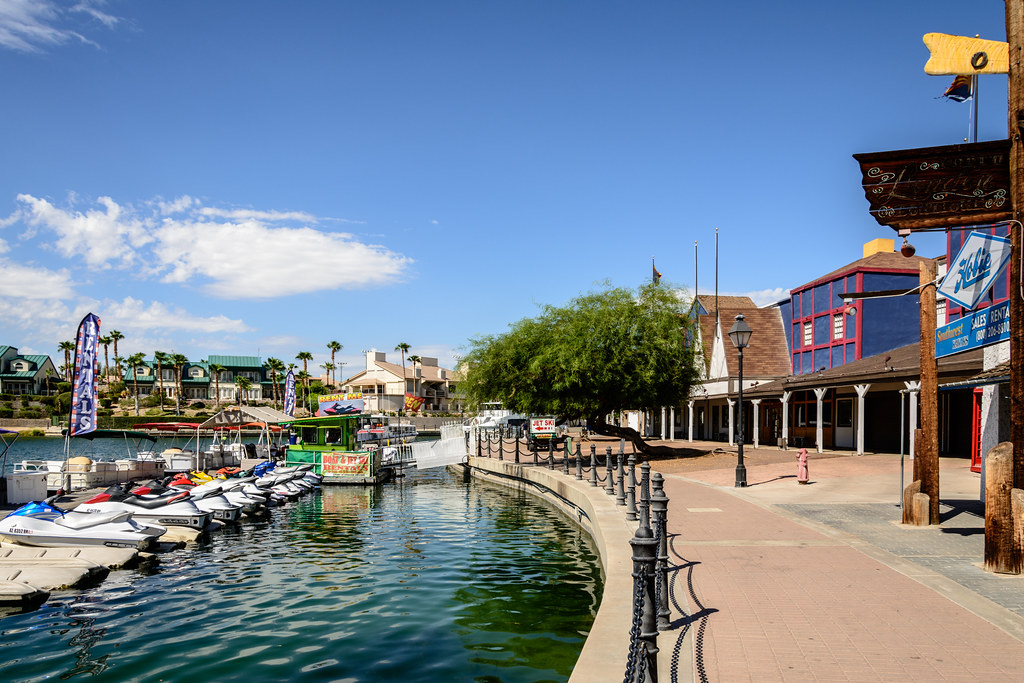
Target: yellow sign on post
<point x="963" y="56"/>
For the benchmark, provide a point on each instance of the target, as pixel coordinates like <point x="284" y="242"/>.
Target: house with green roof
<point x="25" y="373"/>
<point x="198" y="382"/>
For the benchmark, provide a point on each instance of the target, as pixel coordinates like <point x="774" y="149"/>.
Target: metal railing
<point x="644" y="501"/>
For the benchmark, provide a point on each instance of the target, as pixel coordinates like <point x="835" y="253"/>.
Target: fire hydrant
<point x="801" y="467"/>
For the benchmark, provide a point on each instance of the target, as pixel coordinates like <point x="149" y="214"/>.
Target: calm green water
<point x="430" y="579"/>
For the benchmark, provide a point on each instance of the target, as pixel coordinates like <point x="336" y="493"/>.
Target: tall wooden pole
<point x="1015" y="38"/>
<point x="927" y="458"/>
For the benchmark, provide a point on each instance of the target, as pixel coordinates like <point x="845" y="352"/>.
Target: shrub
<point x="25" y="414"/>
<point x="153" y="411"/>
<point x="6" y="413"/>
<point x="198" y="405"/>
<point x="106" y="402"/>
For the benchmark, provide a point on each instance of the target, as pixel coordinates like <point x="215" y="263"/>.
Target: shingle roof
<point x="768" y="352"/>
<point x="707" y="301"/>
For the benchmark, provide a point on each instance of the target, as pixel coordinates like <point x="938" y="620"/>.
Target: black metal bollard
<point x="517" y="450"/>
<point x="551" y="454"/>
<point x="579" y="463"/>
<point x="620" y="491"/>
<point x="659" y="513"/>
<point x="479" y="445"/>
<point x="501" y="443"/>
<point x="593" y="466"/>
<point x="631" y="491"/>
<point x="536" y="458"/>
<point x="645" y="643"/>
<point x="644" y="503"/>
<point x="609" y="485"/>
<point x="565" y="458"/>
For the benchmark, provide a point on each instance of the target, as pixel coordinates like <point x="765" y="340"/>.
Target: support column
<point x="671" y="423"/>
<point x="819" y="434"/>
<point x="663" y="423"/>
<point x="862" y="390"/>
<point x="732" y="405"/>
<point x="912" y="388"/>
<point x="785" y="417"/>
<point x="756" y="402"/>
<point x="690" y="405"/>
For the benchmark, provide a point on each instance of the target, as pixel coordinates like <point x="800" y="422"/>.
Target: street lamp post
<point x="740" y="336"/>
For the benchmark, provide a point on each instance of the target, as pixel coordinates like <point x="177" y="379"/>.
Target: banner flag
<point x="289" y="394"/>
<point x="83" y="390"/>
<point x="959" y="90"/>
<point x="413" y="403"/>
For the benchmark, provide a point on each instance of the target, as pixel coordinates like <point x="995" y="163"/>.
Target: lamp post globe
<point x="740" y="336"/>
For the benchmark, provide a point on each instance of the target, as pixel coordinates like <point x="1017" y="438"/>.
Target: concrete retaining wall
<point x="603" y="657"/>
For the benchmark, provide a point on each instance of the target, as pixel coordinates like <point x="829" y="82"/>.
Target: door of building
<point x="844" y="423"/>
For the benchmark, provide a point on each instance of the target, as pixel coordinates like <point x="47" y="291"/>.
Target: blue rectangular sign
<point x="981" y="328"/>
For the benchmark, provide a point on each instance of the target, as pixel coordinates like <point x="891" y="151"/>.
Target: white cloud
<point x="100" y="236"/>
<point x="230" y="259"/>
<point x="179" y="205"/>
<point x="34" y="25"/>
<point x="132" y="314"/>
<point x="253" y="261"/>
<point x="20" y="282"/>
<point x="259" y="216"/>
<point x="765" y="297"/>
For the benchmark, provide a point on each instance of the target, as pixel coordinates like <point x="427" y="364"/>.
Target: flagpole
<point x="696" y="290"/>
<point x="974" y="108"/>
<point x="717" y="317"/>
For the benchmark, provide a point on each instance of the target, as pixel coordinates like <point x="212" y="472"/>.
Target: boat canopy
<point x="113" y="434"/>
<point x="167" y="426"/>
<point x="239" y="416"/>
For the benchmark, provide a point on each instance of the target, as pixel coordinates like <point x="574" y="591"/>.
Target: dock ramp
<point x="450" y="449"/>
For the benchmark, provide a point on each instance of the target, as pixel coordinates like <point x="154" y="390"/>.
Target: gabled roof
<point x="768" y="352"/>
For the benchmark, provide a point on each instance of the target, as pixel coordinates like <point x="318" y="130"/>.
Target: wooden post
<point x="1001" y="554"/>
<point x="1015" y="38"/>
<point x="927" y="457"/>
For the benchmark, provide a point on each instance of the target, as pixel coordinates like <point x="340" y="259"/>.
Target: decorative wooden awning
<point x="933" y="187"/>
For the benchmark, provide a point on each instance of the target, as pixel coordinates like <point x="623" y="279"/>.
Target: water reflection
<point x="431" y="579"/>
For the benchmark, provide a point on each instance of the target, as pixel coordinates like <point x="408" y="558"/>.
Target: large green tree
<point x="605" y="351"/>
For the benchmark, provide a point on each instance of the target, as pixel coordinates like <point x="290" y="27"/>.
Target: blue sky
<point x="247" y="177"/>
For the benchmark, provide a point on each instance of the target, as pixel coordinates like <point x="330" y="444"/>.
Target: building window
<point x="940" y="311"/>
<point x="837" y="326"/>
<point x="195" y="372"/>
<point x="808" y="334"/>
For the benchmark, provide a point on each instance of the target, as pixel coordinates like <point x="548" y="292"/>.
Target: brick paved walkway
<point x="817" y="583"/>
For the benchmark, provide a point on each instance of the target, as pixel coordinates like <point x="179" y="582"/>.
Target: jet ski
<point x="208" y="500"/>
<point x="219" y="488"/>
<point x="172" y="508"/>
<point x="46" y="525"/>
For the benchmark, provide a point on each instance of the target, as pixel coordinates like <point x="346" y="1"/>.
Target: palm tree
<point x="275" y="365"/>
<point x="244" y="384"/>
<point x="327" y="368"/>
<point x="415" y="360"/>
<point x="403" y="347"/>
<point x="134" y="361"/>
<point x="114" y="337"/>
<point x="303" y="377"/>
<point x="117" y="363"/>
<point x="334" y="347"/>
<point x="215" y="370"/>
<point x="68" y="348"/>
<point x="305" y="357"/>
<point x="106" y="358"/>
<point x="178" y="361"/>
<point x="160" y="357"/>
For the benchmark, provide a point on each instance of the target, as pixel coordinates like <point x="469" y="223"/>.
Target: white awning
<point x="239" y="415"/>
